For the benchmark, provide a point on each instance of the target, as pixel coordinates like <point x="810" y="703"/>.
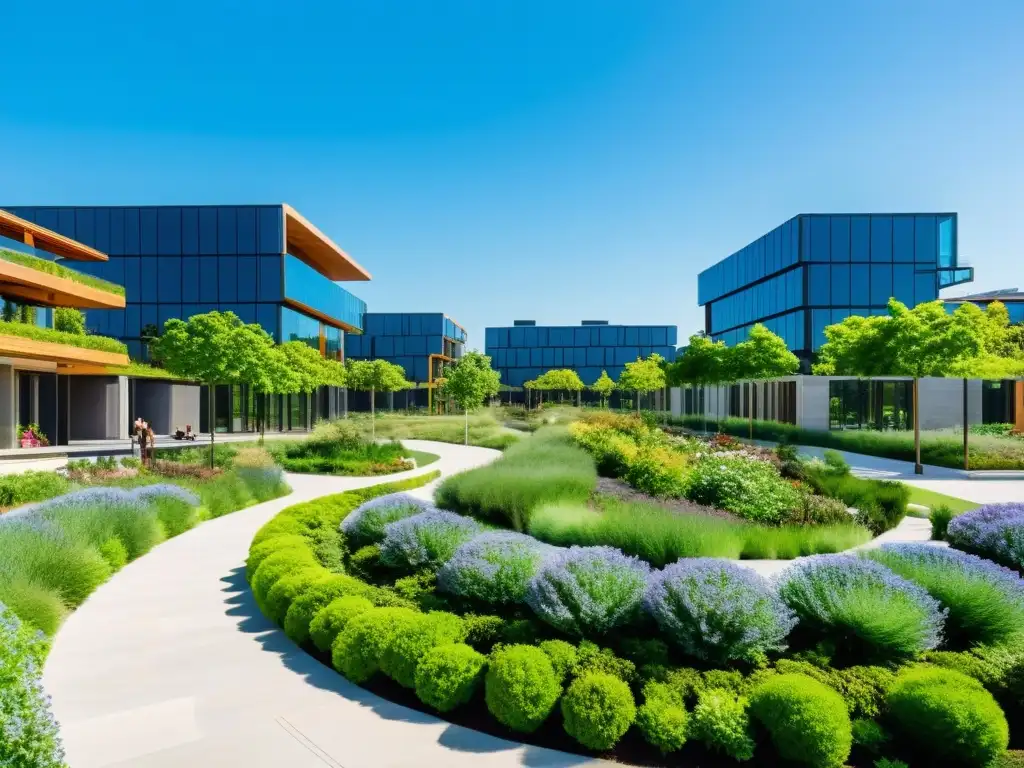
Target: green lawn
<point x="423" y="458"/>
<point x="932" y="499"/>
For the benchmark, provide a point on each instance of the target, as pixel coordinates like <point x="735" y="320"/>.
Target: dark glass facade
<point x="416" y="341"/>
<point x="817" y="269"/>
<point x="178" y="261"/>
<point x="525" y="351"/>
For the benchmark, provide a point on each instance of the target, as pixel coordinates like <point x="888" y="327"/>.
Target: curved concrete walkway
<point x="171" y="664"/>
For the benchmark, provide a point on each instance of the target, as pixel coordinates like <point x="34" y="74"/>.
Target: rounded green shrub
<point x="807" y="721"/>
<point x="662" y="718"/>
<point x="306" y="605"/>
<point x="869" y="735"/>
<point x="482" y="632"/>
<point x="270" y="546"/>
<point x="521" y="687"/>
<point x="276" y="566"/>
<point x="721" y="721"/>
<point x="332" y="618"/>
<point x="597" y="710"/>
<point x="365" y="562"/>
<point x="357" y="649"/>
<point x="404" y="648"/>
<point x="115" y="553"/>
<point x="948" y="715"/>
<point x="448" y="675"/>
<point x="562" y="654"/>
<point x="175" y="515"/>
<point x="34" y="605"/>
<point x="287" y="588"/>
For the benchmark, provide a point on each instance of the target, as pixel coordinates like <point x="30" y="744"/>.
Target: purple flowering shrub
<point x="862" y="607"/>
<point x="985" y="601"/>
<point x="366" y="523"/>
<point x="425" y="540"/>
<point x="147" y="493"/>
<point x="28" y="732"/>
<point x="995" y="531"/>
<point x="495" y="567"/>
<point x="718" y="611"/>
<point x="588" y="591"/>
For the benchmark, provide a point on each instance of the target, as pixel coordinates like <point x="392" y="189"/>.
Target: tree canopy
<point x="204" y="347"/>
<point x="375" y="376"/>
<point x="559" y="379"/>
<point x="604" y="385"/>
<point x="470" y="380"/>
<point x="643" y="375"/>
<point x="703" y="362"/>
<point x="763" y="355"/>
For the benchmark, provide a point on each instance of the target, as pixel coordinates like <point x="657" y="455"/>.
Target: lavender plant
<point x="495" y="567"/>
<point x="985" y="601"/>
<point x="425" y="540"/>
<point x="862" y="607"/>
<point x="588" y="590"/>
<point x="28" y="733"/>
<point x="718" y="611"/>
<point x="995" y="531"/>
<point x="366" y="523"/>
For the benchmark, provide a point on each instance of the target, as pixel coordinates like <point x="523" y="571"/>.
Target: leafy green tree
<point x="280" y="379"/>
<point x="764" y="355"/>
<point x="375" y="376"/>
<point x="642" y="376"/>
<point x="210" y="348"/>
<point x="560" y="380"/>
<point x="469" y="382"/>
<point x="604" y="386"/>
<point x="69" y="320"/>
<point x="703" y="363"/>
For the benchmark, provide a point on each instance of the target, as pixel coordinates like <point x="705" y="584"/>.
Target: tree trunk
<point x="967" y="463"/>
<point x="918" y="469"/>
<point x="373" y="416"/>
<point x="213" y="420"/>
<point x="263" y="419"/>
<point x="467" y="426"/>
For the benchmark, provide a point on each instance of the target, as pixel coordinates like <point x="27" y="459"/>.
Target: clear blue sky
<point x="540" y="159"/>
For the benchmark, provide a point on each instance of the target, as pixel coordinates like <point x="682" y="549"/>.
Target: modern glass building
<point x="265" y="263"/>
<point x="817" y="269"/>
<point x="1010" y="297"/>
<point x="526" y="350"/>
<point x="419" y="342"/>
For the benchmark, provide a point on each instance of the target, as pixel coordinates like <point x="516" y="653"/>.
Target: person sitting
<point x="189" y="434"/>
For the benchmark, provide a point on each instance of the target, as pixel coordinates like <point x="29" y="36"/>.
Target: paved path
<point x="171" y="664"/>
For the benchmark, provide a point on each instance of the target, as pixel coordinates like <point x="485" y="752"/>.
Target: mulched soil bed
<point x="609" y="486"/>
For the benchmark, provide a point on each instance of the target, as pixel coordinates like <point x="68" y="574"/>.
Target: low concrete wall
<point x="942" y="402"/>
<point x="166" y="405"/>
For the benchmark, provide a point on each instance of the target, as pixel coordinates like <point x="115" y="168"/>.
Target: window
<point x="150" y="282"/>
<point x="924" y="287"/>
<point x="227" y="283"/>
<point x="169" y="277"/>
<point x="208" y="231"/>
<point x="881" y="238"/>
<point x="818" y="285"/>
<point x="266" y="316"/>
<point x="271" y="237"/>
<point x="903" y="238"/>
<point x="925" y="246"/>
<point x="247" y="278"/>
<point x="903" y="283"/>
<point x="270" y="278"/>
<point x="246" y="242"/>
<point x="820" y="238"/>
<point x="841" y="284"/>
<point x="860" y="294"/>
<point x="169" y="231"/>
<point x="820" y="319"/>
<point x="860" y="238"/>
<point x="881" y="284"/>
<point x="227" y="230"/>
<point x="805" y="238"/>
<point x="131" y="231"/>
<point x="947" y="250"/>
<point x="840" y="238"/>
<point x="208" y="280"/>
<point x="190" y="231"/>
<point x="148" y="236"/>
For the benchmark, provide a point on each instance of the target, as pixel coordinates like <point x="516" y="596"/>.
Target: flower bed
<point x="588" y="649"/>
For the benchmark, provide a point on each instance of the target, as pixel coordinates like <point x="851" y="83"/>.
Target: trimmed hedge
<point x="447" y="676"/>
<point x="521" y="687"/>
<point x="597" y="710"/>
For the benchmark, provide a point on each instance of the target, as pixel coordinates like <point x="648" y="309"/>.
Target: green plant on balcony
<point x="49" y="335"/>
<point x="58" y="270"/>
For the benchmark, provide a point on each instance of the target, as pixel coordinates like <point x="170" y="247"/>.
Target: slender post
<point x="918" y="469"/>
<point x="966" y="447"/>
<point x="213" y="420"/>
<point x="750" y="407"/>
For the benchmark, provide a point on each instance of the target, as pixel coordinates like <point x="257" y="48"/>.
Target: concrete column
<point x="120" y="409"/>
<point x="8" y="407"/>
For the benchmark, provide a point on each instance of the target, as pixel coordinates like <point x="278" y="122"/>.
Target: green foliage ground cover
<point x="34" y="332"/>
<point x="59" y="270"/>
<point x="485" y="428"/>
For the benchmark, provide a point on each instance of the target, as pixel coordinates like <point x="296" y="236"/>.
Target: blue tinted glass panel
<point x="227" y="233"/>
<point x="169" y="231"/>
<point x="840" y="238"/>
<point x="131" y="231"/>
<point x="247" y="267"/>
<point x="860" y="284"/>
<point x="85" y="226"/>
<point x="818" y="285"/>
<point x="881" y="238"/>
<point x="228" y="279"/>
<point x="208" y="231"/>
<point x="924" y="287"/>
<point x="860" y="238"/>
<point x="266" y="316"/>
<point x="190" y="231"/>
<point x="270" y="279"/>
<point x="304" y="284"/>
<point x="946" y="246"/>
<point x="805" y="238"/>
<point x="271" y="234"/>
<point x="821" y="239"/>
<point x="103" y="230"/>
<point x="881" y="283"/>
<point x="148" y="231"/>
<point x="66" y="222"/>
<point x="168" y="277"/>
<point x="903" y="283"/>
<point x="149" y="316"/>
<point x="132" y="325"/>
<point x="926" y="249"/>
<point x="190" y="278"/>
<point x="903" y="238"/>
<point x="149" y="284"/>
<point x="246" y="230"/>
<point x="820" y="319"/>
<point x="841" y="284"/>
<point x="208" y="280"/>
<point x="166" y="311"/>
<point x="116" y="232"/>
